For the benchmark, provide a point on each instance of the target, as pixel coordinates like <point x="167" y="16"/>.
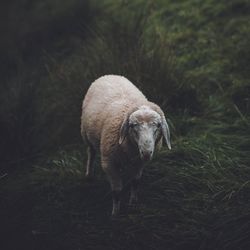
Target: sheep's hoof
<point x="89" y="178"/>
<point x="115" y="212"/>
<point x="115" y="216"/>
<point x="118" y="216"/>
<point x="133" y="207"/>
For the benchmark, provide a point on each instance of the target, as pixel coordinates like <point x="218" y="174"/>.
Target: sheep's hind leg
<point x="90" y="162"/>
<point x="116" y="187"/>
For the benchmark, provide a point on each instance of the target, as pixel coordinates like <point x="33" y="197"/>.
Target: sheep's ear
<point x="165" y="128"/>
<point x="124" y="130"/>
<point x="166" y="132"/>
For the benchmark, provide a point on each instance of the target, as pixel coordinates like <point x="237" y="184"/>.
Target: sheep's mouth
<point x="146" y="156"/>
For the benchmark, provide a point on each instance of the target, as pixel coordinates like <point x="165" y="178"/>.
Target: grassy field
<point x="190" y="57"/>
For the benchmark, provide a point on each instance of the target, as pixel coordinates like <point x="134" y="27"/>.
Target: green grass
<point x="190" y="57"/>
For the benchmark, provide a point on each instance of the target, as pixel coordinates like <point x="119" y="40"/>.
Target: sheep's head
<point x="145" y="127"/>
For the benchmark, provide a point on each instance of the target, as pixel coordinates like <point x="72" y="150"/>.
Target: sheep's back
<point x="107" y="100"/>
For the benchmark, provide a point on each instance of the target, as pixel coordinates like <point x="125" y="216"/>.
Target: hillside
<point x="190" y="57"/>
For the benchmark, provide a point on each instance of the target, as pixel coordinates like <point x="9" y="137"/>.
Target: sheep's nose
<point x="146" y="156"/>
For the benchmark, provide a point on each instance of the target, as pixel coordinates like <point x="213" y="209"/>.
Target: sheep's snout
<point x="146" y="148"/>
<point x="144" y="138"/>
<point x="146" y="155"/>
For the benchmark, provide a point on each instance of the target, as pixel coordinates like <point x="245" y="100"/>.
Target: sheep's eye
<point x="158" y="125"/>
<point x="132" y="125"/>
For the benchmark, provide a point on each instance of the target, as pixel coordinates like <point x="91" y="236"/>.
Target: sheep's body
<point x="106" y="105"/>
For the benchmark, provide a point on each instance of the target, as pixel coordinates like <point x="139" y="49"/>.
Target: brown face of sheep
<point x="145" y="127"/>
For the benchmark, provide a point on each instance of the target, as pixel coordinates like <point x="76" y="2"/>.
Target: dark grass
<point x="194" y="197"/>
<point x="192" y="59"/>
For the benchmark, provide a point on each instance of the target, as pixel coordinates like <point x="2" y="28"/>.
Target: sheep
<point x="119" y="121"/>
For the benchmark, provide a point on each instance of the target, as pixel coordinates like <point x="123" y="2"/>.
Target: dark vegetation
<point x="191" y="57"/>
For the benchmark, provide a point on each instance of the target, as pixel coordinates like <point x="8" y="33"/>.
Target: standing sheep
<point x="118" y="120"/>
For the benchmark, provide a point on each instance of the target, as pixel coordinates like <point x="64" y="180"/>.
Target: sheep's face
<point x="145" y="130"/>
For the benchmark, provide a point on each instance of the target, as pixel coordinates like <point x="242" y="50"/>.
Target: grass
<point x="189" y="57"/>
<point x="196" y="196"/>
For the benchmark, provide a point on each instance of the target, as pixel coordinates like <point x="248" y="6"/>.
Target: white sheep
<point x="118" y="120"/>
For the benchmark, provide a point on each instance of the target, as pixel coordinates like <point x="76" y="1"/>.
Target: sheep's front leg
<point x="134" y="189"/>
<point x="90" y="162"/>
<point x="115" y="181"/>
